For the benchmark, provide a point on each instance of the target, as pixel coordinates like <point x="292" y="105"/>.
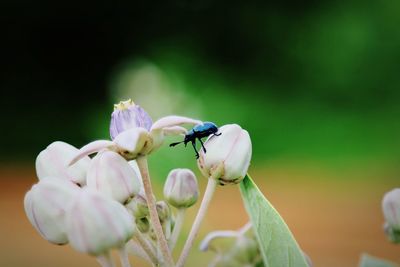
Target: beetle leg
<point x="195" y="150"/>
<point x="216" y="134"/>
<point x="202" y="145"/>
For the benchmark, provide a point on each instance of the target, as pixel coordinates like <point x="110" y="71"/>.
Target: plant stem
<point x="155" y="221"/>
<point x="146" y="247"/>
<point x="133" y="247"/>
<point x="180" y="216"/>
<point x="211" y="185"/>
<point x="123" y="256"/>
<point x="105" y="260"/>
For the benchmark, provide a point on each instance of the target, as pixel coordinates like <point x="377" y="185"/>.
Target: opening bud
<point x="228" y="155"/>
<point x="181" y="189"/>
<point x="96" y="223"/>
<point x="45" y="206"/>
<point x="128" y="115"/>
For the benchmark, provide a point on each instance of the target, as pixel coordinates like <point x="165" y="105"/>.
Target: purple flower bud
<point x="181" y="189"/>
<point x="126" y="116"/>
<point x="96" y="223"/>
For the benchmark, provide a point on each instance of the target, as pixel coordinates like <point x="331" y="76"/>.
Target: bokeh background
<point x="316" y="83"/>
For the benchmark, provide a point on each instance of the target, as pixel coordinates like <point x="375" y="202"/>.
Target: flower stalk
<point x="105" y="260"/>
<point x="123" y="255"/>
<point x="211" y="186"/>
<point x="180" y="217"/>
<point x="162" y="242"/>
<point x="146" y="247"/>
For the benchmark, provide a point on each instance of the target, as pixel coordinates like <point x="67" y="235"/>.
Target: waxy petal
<point x="175" y="130"/>
<point x="91" y="148"/>
<point x="132" y="140"/>
<point x="170" y="121"/>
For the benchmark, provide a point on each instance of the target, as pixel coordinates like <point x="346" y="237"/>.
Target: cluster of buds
<point x="106" y="202"/>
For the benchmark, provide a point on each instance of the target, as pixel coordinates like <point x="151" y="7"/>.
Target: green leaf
<point x="277" y="244"/>
<point x="370" y="261"/>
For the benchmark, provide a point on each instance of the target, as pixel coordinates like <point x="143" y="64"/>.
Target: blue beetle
<point x="198" y="132"/>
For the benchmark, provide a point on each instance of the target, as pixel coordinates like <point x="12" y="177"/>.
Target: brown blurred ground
<point x="333" y="218"/>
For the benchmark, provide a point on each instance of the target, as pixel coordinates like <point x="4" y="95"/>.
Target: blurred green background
<point x="316" y="84"/>
<point x="311" y="81"/>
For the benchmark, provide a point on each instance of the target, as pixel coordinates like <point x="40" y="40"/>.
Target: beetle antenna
<point x="174" y="144"/>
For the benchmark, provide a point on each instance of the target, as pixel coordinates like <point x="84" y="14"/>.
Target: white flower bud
<point x="112" y="175"/>
<point x="45" y="206"/>
<point x="228" y="155"/>
<point x="391" y="208"/>
<point x="54" y="160"/>
<point x="181" y="189"/>
<point x="96" y="223"/>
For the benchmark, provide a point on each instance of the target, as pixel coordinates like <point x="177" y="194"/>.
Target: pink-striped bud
<point x="45" y="206"/>
<point x="96" y="223"/>
<point x="111" y="174"/>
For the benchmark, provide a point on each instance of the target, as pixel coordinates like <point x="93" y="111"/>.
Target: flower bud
<point x="96" y="223"/>
<point x="54" y="160"/>
<point x="126" y="116"/>
<point x="391" y="208"/>
<point x="112" y="175"/>
<point x="142" y="224"/>
<point x="138" y="206"/>
<point x="181" y="189"/>
<point x="228" y="155"/>
<point x="45" y="206"/>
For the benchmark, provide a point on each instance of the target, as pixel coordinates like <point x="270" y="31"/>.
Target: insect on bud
<point x="54" y="159"/>
<point x="128" y="115"/>
<point x="181" y="189"/>
<point x="112" y="175"/>
<point x="138" y="206"/>
<point x="96" y="223"/>
<point x="391" y="208"/>
<point x="228" y="155"/>
<point x="45" y="206"/>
